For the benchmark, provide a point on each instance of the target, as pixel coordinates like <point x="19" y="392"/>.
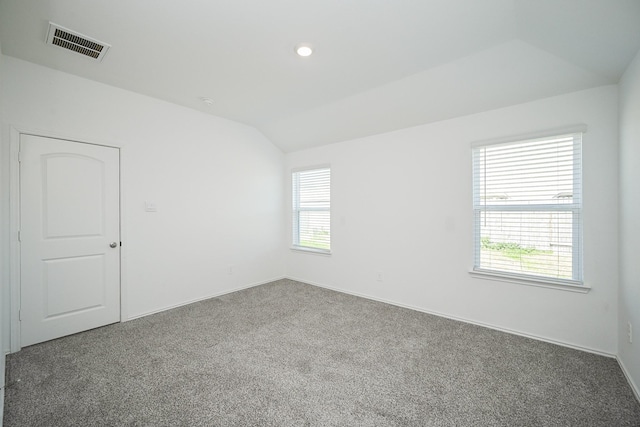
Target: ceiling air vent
<point x="63" y="37"/>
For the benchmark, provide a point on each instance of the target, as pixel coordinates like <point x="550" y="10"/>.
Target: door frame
<point x="14" y="225"/>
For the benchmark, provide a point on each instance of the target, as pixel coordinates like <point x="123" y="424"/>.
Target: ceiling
<point x="378" y="65"/>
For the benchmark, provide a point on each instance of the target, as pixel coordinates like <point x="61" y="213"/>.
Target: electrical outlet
<point x="379" y="276"/>
<point x="230" y="269"/>
<point x="150" y="207"/>
<point x="630" y="332"/>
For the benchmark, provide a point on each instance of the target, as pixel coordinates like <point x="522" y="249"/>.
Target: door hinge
<point x="20" y="315"/>
<point x="19" y="156"/>
<point x="19" y="236"/>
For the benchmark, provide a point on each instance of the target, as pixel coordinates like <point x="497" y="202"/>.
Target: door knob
<point x="113" y="245"/>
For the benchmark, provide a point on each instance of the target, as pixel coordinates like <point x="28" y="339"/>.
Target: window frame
<point x="576" y="283"/>
<point x="296" y="210"/>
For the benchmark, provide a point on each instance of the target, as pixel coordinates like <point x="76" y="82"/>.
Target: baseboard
<point x="206" y="297"/>
<point x="461" y="319"/>
<point x="634" y="386"/>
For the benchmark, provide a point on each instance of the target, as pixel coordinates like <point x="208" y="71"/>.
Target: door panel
<point x="86" y="177"/>
<point x="82" y="277"/>
<point x="69" y="216"/>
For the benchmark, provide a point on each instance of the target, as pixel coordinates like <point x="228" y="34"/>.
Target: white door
<point x="70" y="237"/>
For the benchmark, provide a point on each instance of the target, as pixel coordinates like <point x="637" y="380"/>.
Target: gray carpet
<point x="290" y="354"/>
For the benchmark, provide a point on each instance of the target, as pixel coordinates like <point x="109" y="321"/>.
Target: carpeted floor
<point x="291" y="354"/>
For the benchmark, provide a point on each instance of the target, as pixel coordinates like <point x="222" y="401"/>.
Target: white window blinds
<point x="312" y="209"/>
<point x="527" y="201"/>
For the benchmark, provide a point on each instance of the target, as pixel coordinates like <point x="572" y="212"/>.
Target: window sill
<point x="530" y="281"/>
<point x="311" y="250"/>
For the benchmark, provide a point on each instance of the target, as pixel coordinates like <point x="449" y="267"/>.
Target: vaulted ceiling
<point x="378" y="65"/>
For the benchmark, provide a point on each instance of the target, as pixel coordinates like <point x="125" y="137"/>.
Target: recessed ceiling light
<point x="304" y="49"/>
<point x="206" y="101"/>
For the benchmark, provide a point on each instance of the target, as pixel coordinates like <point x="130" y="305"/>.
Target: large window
<point x="527" y="201"/>
<point x="312" y="209"/>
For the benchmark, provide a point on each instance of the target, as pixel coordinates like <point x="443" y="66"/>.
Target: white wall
<point x="218" y="184"/>
<point x="629" y="353"/>
<point x="401" y="205"/>
<point x="4" y="245"/>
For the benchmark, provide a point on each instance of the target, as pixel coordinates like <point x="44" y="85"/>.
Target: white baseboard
<point x="634" y="386"/>
<point x="206" y="297"/>
<point x="461" y="319"/>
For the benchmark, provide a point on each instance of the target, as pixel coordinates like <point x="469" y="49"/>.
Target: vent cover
<point x="68" y="39"/>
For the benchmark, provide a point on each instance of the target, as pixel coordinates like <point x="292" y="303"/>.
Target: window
<point x="527" y="202"/>
<point x="312" y="209"/>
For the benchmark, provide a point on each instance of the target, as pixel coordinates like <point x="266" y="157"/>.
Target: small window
<point x="312" y="209"/>
<point x="527" y="202"/>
